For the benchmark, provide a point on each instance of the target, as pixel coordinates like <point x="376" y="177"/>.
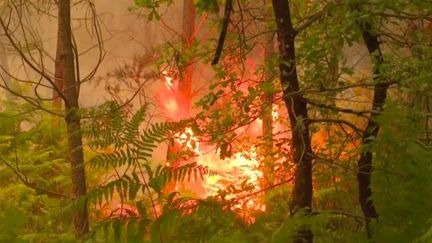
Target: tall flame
<point x="228" y="177"/>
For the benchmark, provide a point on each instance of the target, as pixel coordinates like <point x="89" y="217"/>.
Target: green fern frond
<point x="127" y="186"/>
<point x="163" y="175"/>
<point x="106" y="127"/>
<point x="114" y="159"/>
<point x="157" y="133"/>
<point x="132" y="126"/>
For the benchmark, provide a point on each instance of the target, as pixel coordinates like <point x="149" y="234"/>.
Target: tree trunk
<point x="298" y="116"/>
<point x="372" y="128"/>
<point x="5" y="72"/>
<point x="72" y="118"/>
<point x="267" y="104"/>
<point x="58" y="73"/>
<point x="184" y="88"/>
<point x="185" y="82"/>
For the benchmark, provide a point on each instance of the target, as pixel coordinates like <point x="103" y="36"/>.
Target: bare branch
<point x="225" y="23"/>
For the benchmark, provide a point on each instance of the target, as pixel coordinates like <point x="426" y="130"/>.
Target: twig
<point x="339" y="109"/>
<point x="344" y="122"/>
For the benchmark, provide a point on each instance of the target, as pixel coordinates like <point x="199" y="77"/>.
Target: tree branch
<point x="310" y="20"/>
<point x="344" y="122"/>
<point x="339" y="109"/>
<point x="32" y="185"/>
<point x="225" y="23"/>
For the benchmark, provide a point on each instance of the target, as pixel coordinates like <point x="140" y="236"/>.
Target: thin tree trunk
<point x="372" y="128"/>
<point x="58" y="73"/>
<point x="298" y="116"/>
<point x="5" y="71"/>
<point x="72" y="118"/>
<point x="184" y="89"/>
<point x="267" y="105"/>
<point x="185" y="83"/>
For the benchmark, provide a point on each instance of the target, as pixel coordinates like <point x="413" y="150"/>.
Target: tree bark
<point x="72" y="117"/>
<point x="267" y="104"/>
<point x="298" y="116"/>
<point x="185" y="82"/>
<point x="5" y="72"/>
<point x="372" y="128"/>
<point x="58" y="73"/>
<point x="184" y="88"/>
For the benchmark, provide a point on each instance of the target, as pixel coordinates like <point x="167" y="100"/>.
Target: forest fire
<point x="216" y="121"/>
<point x="232" y="179"/>
<point x="230" y="175"/>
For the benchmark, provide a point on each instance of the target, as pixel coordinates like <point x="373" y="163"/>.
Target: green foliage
<point x="207" y="6"/>
<point x="152" y="5"/>
<point x="161" y="176"/>
<point x="402" y="180"/>
<point x="16" y="220"/>
<point x="33" y="150"/>
<point x="119" y="143"/>
<point x="204" y="222"/>
<point x="120" y="146"/>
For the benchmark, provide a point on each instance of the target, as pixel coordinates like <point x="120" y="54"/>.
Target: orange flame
<point x="230" y="175"/>
<point x="236" y="172"/>
<point x="170" y="100"/>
